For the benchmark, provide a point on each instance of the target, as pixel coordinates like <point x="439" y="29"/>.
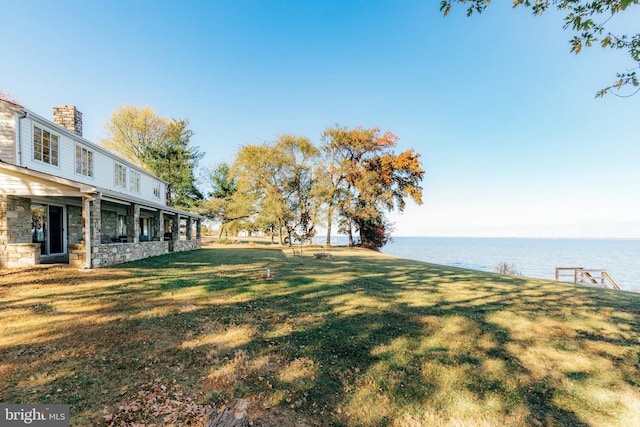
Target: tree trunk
<point x="236" y="415"/>
<point x="329" y="221"/>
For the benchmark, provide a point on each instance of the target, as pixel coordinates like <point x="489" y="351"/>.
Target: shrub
<point x="507" y="269"/>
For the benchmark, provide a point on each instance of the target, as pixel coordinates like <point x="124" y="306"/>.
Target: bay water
<point x="531" y="257"/>
<point x="535" y="258"/>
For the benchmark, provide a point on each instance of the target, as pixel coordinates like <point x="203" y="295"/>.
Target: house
<point x="63" y="197"/>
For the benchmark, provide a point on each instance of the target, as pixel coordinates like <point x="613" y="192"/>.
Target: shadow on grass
<point x="359" y="340"/>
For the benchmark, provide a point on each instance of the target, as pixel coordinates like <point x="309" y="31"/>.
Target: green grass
<point x="363" y="339"/>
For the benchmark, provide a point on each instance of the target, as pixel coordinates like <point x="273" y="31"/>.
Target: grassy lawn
<point x="362" y="339"/>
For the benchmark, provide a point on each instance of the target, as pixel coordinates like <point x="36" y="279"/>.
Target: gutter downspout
<point x="21" y="115"/>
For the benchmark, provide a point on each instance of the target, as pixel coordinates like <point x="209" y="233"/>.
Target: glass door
<point x="56" y="230"/>
<point x="47" y="228"/>
<point x="39" y="229"/>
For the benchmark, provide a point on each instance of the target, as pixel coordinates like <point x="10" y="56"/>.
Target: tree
<point x="255" y="170"/>
<point x="370" y="180"/>
<point x="160" y="145"/>
<point x="225" y="203"/>
<point x="587" y="19"/>
<point x="132" y="130"/>
<point x="328" y="188"/>
<point x="8" y="97"/>
<point x="299" y="156"/>
<point x="278" y="178"/>
<point x="173" y="159"/>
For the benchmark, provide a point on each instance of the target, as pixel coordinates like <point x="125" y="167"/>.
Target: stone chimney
<point x="69" y="118"/>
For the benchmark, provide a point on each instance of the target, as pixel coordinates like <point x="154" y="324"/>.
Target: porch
<point x="48" y="230"/>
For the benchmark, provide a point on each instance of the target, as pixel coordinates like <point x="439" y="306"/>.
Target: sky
<point x="512" y="140"/>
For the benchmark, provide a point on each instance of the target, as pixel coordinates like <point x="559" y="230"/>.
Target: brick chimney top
<point x="69" y="118"/>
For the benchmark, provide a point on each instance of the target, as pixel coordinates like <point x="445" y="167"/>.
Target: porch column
<point x="136" y="223"/>
<point x="131" y="222"/>
<point x="95" y="235"/>
<point x="161" y="225"/>
<point x="175" y="231"/>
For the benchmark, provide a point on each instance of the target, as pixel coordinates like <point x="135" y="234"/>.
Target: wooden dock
<point x="587" y="276"/>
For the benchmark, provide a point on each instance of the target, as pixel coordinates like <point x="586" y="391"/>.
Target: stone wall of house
<point x="95" y="212"/>
<point x="117" y="253"/>
<point x="16" y="228"/>
<point x="74" y="225"/>
<point x="19" y="225"/>
<point x="109" y="226"/>
<point x="16" y="247"/>
<point x="187" y="245"/>
<point x="22" y="254"/>
<point x="77" y="255"/>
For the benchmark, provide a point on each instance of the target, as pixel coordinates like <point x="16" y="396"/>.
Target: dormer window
<point x="45" y="146"/>
<point x="134" y="181"/>
<point x="120" y="175"/>
<point x="156" y="189"/>
<point x="84" y="161"/>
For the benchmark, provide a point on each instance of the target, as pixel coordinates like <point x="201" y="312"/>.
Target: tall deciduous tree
<point x="7" y="97"/>
<point x="279" y="178"/>
<point x="132" y="130"/>
<point x="160" y="145"/>
<point x="370" y="179"/>
<point x="329" y="189"/>
<point x="587" y="19"/>
<point x="299" y="156"/>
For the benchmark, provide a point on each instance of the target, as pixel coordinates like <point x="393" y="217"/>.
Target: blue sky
<point x="512" y="140"/>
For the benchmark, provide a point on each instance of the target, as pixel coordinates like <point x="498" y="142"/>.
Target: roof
<point x="60" y="129"/>
<point x="51" y="185"/>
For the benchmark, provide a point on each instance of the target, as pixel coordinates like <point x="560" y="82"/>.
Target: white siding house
<point x="59" y="191"/>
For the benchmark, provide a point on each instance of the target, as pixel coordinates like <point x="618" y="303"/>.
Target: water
<point x="531" y="257"/>
<point x="536" y="258"/>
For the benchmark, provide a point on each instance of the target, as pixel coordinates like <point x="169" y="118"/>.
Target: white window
<point x="120" y="175"/>
<point x="156" y="189"/>
<point x="134" y="182"/>
<point x="84" y="161"/>
<point x="45" y="146"/>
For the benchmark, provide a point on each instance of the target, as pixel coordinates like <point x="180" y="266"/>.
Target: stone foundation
<point x="187" y="245"/>
<point x="22" y="254"/>
<point x="117" y="253"/>
<point x="77" y="255"/>
<point x="15" y="227"/>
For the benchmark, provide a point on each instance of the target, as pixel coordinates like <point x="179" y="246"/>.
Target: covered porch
<point x="46" y="219"/>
